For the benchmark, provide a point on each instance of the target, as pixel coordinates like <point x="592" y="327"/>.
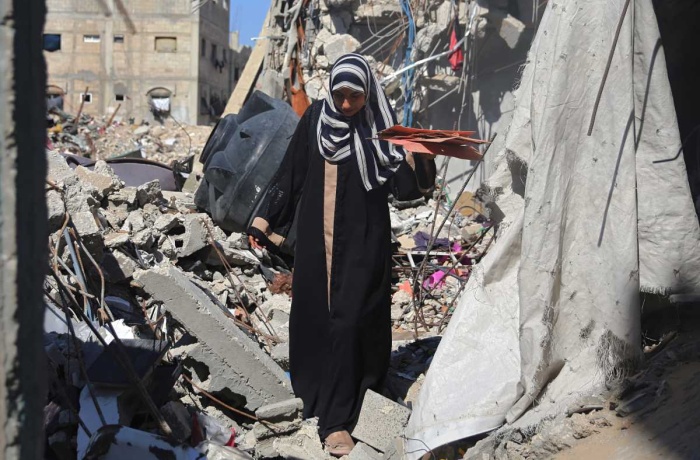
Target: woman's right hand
<point x="255" y="243"/>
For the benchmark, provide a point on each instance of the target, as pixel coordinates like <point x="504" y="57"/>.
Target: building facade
<point x="151" y="58"/>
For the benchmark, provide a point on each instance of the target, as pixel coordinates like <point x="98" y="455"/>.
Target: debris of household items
<point x="438" y="243"/>
<point x="145" y="300"/>
<point x="87" y="139"/>
<point x="240" y="158"/>
<point x="457" y="144"/>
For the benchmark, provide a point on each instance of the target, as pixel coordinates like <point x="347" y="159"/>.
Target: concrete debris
<point x="56" y="209"/>
<point x="102" y="178"/>
<point x="283" y="410"/>
<point x="235" y="363"/>
<point x="381" y="421"/>
<point x="179" y="419"/>
<point x="339" y="45"/>
<point x="149" y="192"/>
<point x="362" y="451"/>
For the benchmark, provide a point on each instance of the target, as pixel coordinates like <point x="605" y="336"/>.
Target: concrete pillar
<point x="23" y="228"/>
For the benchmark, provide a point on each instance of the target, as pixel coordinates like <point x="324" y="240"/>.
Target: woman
<point x="335" y="177"/>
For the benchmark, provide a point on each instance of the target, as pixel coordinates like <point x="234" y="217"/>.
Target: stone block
<point x="125" y="196"/>
<point x="381" y="421"/>
<point x="150" y="192"/>
<point x="195" y="236"/>
<point x="283" y="410"/>
<point x="234" y="361"/>
<point x="280" y="354"/>
<point x="340" y="45"/>
<point x="58" y="169"/>
<point x="116" y="239"/>
<point x="362" y="451"/>
<point x="56" y="210"/>
<point x="167" y="222"/>
<point x="105" y="184"/>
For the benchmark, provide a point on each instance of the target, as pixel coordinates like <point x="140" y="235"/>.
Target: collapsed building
<point x="162" y="325"/>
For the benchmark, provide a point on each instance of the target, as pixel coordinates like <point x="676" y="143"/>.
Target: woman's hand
<point x="255" y="243"/>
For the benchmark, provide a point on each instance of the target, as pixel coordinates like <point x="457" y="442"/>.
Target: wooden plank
<point x="251" y="71"/>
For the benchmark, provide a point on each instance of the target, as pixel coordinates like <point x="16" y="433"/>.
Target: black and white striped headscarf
<point x="340" y="137"/>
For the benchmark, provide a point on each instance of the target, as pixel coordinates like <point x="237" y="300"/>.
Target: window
<point x="91" y="39"/>
<point x="119" y="39"/>
<point x="86" y="97"/>
<point x="52" y="42"/>
<point x="203" y="50"/>
<point x="166" y="44"/>
<point x="119" y="97"/>
<point x="213" y="51"/>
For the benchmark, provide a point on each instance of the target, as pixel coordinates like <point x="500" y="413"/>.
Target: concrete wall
<point x="135" y="65"/>
<point x="23" y="235"/>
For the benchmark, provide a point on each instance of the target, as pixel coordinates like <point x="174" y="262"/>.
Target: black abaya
<point x="340" y="330"/>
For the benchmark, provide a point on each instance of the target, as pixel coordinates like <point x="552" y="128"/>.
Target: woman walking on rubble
<point x="337" y="172"/>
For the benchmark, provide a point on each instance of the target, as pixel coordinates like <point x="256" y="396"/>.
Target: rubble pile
<point x="169" y="329"/>
<point x="101" y="138"/>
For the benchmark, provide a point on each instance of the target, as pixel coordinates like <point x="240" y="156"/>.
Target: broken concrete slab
<point x="150" y="192"/>
<point x="58" y="169"/>
<point x="105" y="184"/>
<point x="195" y="236"/>
<point x="125" y="196"/>
<point x="56" y="210"/>
<point x="239" y="257"/>
<point x="304" y="443"/>
<point x="235" y="362"/>
<point x="80" y="197"/>
<point x="283" y="410"/>
<point x="280" y="354"/>
<point x="115" y="239"/>
<point x="362" y="451"/>
<point x="340" y="45"/>
<point x="166" y="222"/>
<point x="381" y="421"/>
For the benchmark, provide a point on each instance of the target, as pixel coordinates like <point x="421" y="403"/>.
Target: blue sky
<point x="247" y="16"/>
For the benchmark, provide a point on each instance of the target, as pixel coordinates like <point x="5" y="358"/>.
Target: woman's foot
<point x="339" y="443"/>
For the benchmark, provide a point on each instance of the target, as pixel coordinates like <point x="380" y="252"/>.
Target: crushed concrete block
<point x="381" y="421"/>
<point x="135" y="222"/>
<point x="280" y="354"/>
<point x="179" y="419"/>
<point x="395" y="451"/>
<point x="304" y="443"/>
<point x="166" y="222"/>
<point x="265" y="431"/>
<point x="195" y="236"/>
<point x="86" y="225"/>
<point x="80" y="197"/>
<point x="280" y="302"/>
<point x="425" y="42"/>
<point x="444" y="16"/>
<point x="237" y="240"/>
<point x="58" y="169"/>
<point x="116" y="215"/>
<point x="337" y="23"/>
<point x="113" y="240"/>
<point x="144" y="239"/>
<point x="56" y="210"/>
<point x="105" y="184"/>
<point x="235" y="362"/>
<point x="125" y="196"/>
<point x="340" y="45"/>
<point x="509" y="28"/>
<point x="167" y="247"/>
<point x="380" y="11"/>
<point x="150" y="192"/>
<point x="233" y="256"/>
<point x="283" y="410"/>
<point x="362" y="451"/>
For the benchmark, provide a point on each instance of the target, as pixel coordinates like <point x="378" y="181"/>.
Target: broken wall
<point x="22" y="234"/>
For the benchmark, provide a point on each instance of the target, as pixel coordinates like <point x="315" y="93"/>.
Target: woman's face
<point x="348" y="101"/>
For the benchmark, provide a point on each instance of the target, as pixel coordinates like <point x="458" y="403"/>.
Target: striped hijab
<point x="340" y="137"/>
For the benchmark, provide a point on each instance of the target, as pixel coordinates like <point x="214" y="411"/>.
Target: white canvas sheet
<point x="553" y="311"/>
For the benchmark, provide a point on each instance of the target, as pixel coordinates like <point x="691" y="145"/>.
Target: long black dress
<point x="340" y="325"/>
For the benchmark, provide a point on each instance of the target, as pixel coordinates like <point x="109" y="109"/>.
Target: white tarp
<point x="553" y="310"/>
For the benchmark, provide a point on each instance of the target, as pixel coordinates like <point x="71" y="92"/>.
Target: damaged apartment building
<point x="445" y="64"/>
<point x="145" y="59"/>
